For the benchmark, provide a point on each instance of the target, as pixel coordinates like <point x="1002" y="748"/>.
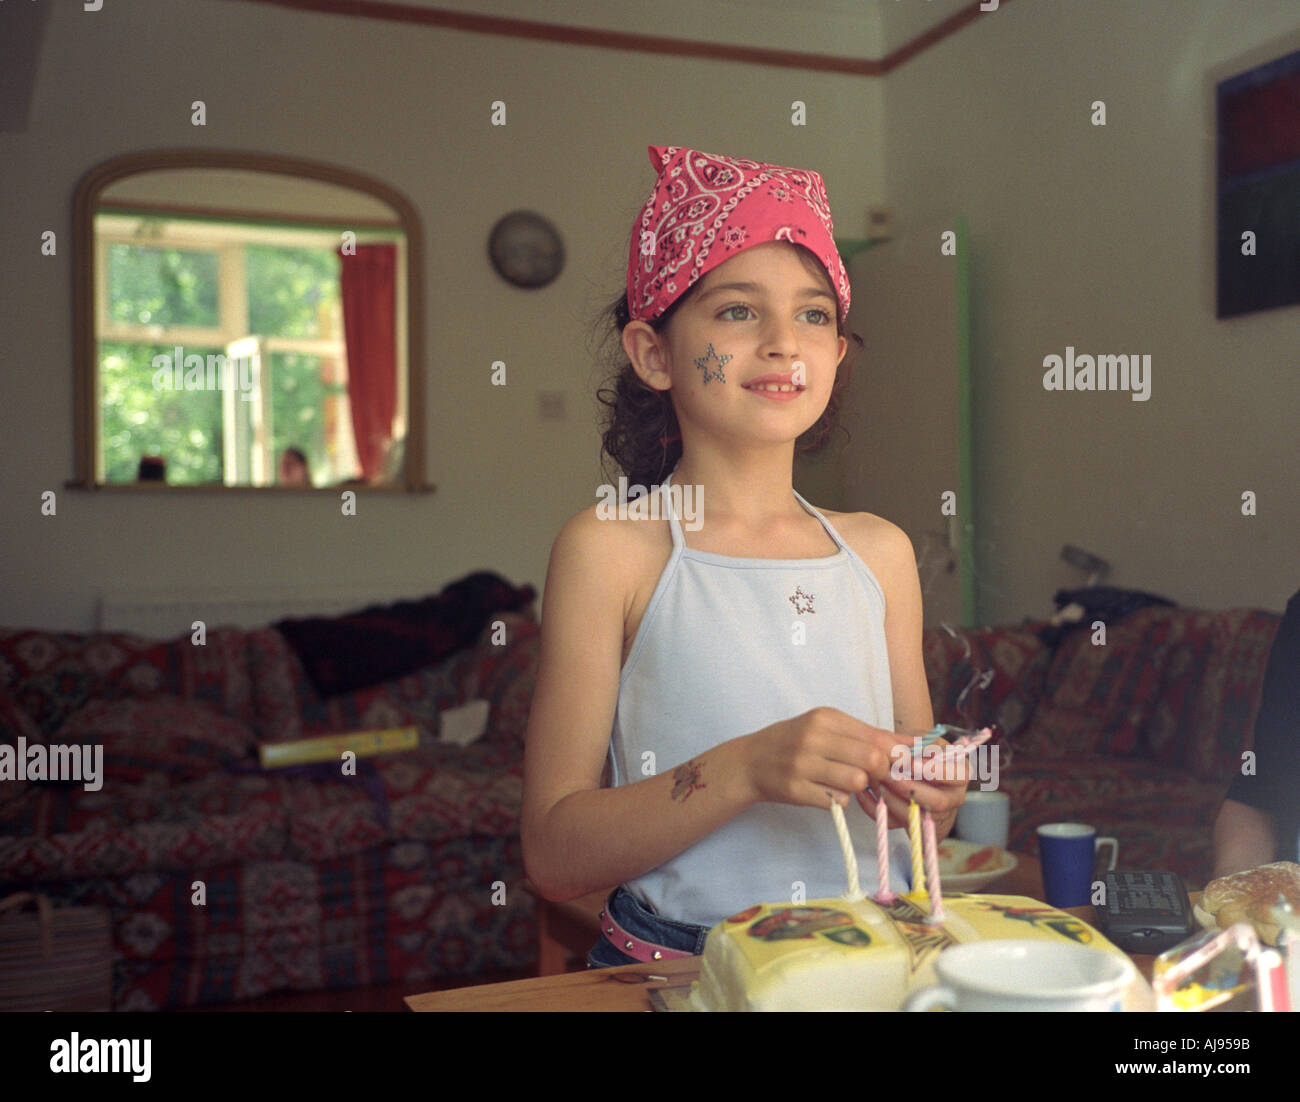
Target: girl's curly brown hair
<point x="641" y="434"/>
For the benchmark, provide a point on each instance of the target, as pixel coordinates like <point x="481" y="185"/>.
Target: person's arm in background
<point x="1258" y="820"/>
<point x="1244" y="837"/>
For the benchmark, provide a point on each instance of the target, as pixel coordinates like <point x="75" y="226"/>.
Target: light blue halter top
<point x="728" y="646"/>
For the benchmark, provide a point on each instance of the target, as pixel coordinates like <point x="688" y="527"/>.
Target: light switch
<point x="550" y="405"/>
<point x="879" y="224"/>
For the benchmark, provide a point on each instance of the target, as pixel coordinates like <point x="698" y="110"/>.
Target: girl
<point x="740" y="661"/>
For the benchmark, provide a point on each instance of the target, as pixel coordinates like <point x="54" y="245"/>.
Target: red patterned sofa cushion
<point x="53" y="674"/>
<point x="62" y="832"/>
<point x="481" y="795"/>
<point x="215" y="673"/>
<point x="288" y="706"/>
<point x="429" y="794"/>
<point x="1098" y="698"/>
<point x="502" y="670"/>
<point x="998" y="682"/>
<point x="164" y="737"/>
<point x="15" y="724"/>
<point x="1210" y="693"/>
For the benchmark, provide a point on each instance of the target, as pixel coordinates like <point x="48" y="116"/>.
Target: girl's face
<point x="751" y="355"/>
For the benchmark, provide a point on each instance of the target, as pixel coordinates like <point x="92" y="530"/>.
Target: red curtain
<point x="368" y="285"/>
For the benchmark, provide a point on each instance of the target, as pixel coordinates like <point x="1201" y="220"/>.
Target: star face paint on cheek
<point x="703" y="364"/>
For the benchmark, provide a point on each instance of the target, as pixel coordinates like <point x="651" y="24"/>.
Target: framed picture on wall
<point x="1257" y="187"/>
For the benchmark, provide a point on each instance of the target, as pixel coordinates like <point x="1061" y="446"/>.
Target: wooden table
<point x="572" y="926"/>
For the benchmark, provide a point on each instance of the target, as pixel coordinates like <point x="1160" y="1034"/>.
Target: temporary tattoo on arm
<point x="703" y="364"/>
<point x="687" y="779"/>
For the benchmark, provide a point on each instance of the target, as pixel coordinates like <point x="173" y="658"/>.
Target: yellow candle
<point x="918" y="859"/>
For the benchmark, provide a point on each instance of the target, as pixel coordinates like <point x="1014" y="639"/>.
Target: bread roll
<point x="1250" y="896"/>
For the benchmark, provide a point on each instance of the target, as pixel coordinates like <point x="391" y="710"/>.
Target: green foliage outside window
<point x="153" y="285"/>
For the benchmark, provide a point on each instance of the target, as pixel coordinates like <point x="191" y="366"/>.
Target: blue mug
<point x="1068" y="852"/>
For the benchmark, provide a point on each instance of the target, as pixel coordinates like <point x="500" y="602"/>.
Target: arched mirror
<point x="246" y="321"/>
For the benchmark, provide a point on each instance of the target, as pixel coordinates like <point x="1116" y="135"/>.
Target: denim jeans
<point x="639" y="921"/>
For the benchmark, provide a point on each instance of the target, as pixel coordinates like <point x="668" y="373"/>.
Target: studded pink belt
<point x="635" y="947"/>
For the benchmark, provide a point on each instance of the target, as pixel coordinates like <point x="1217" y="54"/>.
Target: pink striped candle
<point x="884" y="896"/>
<point x="932" y="867"/>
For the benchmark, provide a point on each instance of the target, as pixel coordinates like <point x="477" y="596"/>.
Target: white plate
<point x="953" y="854"/>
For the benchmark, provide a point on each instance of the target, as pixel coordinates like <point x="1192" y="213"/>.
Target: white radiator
<point x="164" y="614"/>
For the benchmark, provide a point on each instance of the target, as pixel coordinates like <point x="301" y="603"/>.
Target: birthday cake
<point x="830" y="954"/>
<point x="857" y="953"/>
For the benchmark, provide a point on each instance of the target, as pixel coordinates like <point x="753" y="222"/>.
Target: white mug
<point x="1021" y="975"/>
<point x="985" y="819"/>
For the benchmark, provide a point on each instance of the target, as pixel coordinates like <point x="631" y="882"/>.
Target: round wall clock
<point x="526" y="249"/>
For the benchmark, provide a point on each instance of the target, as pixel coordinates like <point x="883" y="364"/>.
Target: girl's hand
<point x="813" y="758"/>
<point x="942" y="796"/>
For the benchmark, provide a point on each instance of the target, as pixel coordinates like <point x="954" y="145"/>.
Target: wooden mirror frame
<point x="85" y="372"/>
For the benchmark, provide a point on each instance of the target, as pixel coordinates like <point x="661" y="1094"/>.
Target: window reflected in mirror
<point x="249" y="330"/>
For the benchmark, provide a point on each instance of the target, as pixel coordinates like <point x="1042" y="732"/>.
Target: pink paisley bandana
<point x="705" y="209"/>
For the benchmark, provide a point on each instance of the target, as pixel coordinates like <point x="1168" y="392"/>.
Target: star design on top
<point x="802" y="602"/>
<point x="703" y="364"/>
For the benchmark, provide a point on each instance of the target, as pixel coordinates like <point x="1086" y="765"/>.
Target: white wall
<point x="411" y="106"/>
<point x="995" y="118"/>
<point x="1102" y="238"/>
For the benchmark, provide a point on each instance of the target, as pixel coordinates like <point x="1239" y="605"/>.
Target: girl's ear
<point x="646" y="352"/>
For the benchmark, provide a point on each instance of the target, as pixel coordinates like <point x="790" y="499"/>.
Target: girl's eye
<point x="825" y="318"/>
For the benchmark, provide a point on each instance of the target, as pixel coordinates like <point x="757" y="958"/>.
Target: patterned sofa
<point x="313" y="879"/>
<point x="1139" y="737"/>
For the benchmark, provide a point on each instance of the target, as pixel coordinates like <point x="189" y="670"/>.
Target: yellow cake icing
<point x="829" y="954"/>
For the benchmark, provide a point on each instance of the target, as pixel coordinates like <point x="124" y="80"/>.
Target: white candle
<point x="854" y="892"/>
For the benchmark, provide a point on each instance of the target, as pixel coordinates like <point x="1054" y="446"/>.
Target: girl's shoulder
<point x="617" y="546"/>
<point x="878" y="542"/>
<point x="867" y="526"/>
<point x="599" y="530"/>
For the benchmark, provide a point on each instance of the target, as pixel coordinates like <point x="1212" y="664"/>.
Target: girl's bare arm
<point x="578" y="837"/>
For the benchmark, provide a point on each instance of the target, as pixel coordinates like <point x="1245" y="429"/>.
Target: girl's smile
<point x="774" y="393"/>
<point x="781" y="387"/>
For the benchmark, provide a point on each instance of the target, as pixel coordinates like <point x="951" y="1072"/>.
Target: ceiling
<point x="860" y="30"/>
<point x="863" y="29"/>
